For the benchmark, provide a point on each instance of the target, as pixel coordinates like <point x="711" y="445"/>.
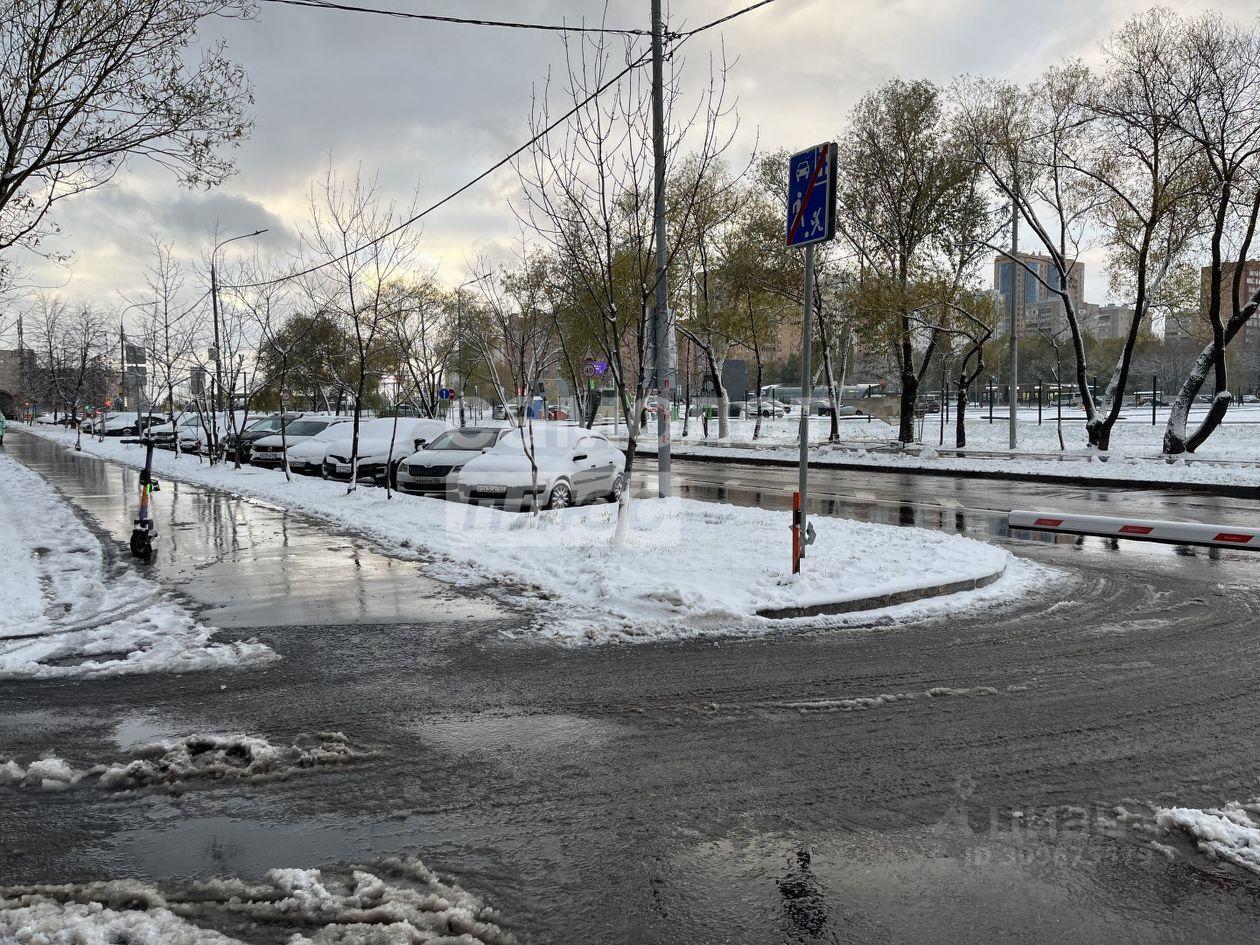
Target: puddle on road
<point x="140" y="730"/>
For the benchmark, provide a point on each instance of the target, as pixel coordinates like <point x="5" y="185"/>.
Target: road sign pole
<point x="807" y="394"/>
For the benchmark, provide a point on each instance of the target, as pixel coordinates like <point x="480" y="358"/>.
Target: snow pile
<point x="399" y="900"/>
<point x="174" y="762"/>
<point x="67" y="610"/>
<point x="50" y="774"/>
<point x="1225" y="833"/>
<point x="685" y="568"/>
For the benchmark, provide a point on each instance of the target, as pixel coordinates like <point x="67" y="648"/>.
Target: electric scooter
<point x="144" y="533"/>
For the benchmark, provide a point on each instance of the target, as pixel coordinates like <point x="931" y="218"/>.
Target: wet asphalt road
<point x="691" y="792"/>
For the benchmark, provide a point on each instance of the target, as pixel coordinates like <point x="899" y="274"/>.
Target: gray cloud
<point x="434" y="104"/>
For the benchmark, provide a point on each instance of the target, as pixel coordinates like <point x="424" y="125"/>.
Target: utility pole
<point x="1010" y="327"/>
<point x="662" y="322"/>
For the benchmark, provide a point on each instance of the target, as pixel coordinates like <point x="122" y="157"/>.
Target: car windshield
<point x="266" y="423"/>
<point x="382" y="428"/>
<point x="545" y="436"/>
<point x="306" y="427"/>
<point x="466" y="439"/>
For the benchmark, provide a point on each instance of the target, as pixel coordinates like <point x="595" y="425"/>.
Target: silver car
<point x="434" y="470"/>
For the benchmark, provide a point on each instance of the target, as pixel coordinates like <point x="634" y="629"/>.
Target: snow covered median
<point x="685" y="568"/>
<point x="66" y="610"/>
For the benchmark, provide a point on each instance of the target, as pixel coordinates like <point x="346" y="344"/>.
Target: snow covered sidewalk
<point x="65" y="610"/>
<point x="686" y="568"/>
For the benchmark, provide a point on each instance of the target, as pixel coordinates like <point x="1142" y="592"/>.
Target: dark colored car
<point x="257" y="429"/>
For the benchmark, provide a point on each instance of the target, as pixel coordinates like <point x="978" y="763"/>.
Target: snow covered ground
<point x="67" y="610"/>
<point x="1237" y="439"/>
<point x="1134" y="455"/>
<point x="686" y="568"/>
<point x="398" y="900"/>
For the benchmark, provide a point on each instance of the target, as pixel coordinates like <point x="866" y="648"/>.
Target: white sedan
<point x="307" y="439"/>
<point x="575" y="465"/>
<point x="376" y="455"/>
<point x="434" y="469"/>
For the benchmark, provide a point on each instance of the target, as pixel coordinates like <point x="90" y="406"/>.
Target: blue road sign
<point x="445" y="393"/>
<point x="811" y="195"/>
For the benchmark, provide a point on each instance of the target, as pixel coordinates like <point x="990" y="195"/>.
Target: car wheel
<point x="618" y="486"/>
<point x="561" y="496"/>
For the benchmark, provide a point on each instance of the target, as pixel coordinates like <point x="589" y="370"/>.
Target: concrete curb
<point x="881" y="600"/>
<point x="1146" y="485"/>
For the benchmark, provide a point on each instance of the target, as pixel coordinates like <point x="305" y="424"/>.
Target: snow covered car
<point x="575" y="465"/>
<point x="307" y="439"/>
<point x="257" y="429"/>
<point x="407" y="434"/>
<point x="90" y="424"/>
<point x="125" y="424"/>
<point x="433" y="470"/>
<point x="193" y="430"/>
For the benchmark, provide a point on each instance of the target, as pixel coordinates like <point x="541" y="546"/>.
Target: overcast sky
<point x="434" y="104"/>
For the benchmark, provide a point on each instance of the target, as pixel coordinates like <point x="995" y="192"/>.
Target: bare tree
<point x="1218" y="75"/>
<point x="357" y="283"/>
<point x="589" y="196"/>
<point x="74" y="344"/>
<point x="905" y="185"/>
<point x="165" y="326"/>
<point x="85" y="86"/>
<point x="517" y="346"/>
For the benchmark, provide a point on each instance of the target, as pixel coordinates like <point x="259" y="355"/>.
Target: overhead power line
<point x="454" y="193"/>
<point x="507" y="159"/>
<point x="726" y="19"/>
<point x="460" y="20"/>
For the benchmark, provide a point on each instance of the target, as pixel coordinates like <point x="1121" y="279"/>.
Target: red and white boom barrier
<point x="1174" y="533"/>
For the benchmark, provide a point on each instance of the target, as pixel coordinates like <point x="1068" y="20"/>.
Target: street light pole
<point x="662" y="323"/>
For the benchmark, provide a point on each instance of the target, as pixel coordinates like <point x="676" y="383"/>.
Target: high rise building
<point x="1246" y="345"/>
<point x="1111" y="322"/>
<point x="1032" y="290"/>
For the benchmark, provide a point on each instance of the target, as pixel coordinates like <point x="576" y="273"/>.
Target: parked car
<point x="91" y="423"/>
<point x="193" y="429"/>
<point x="126" y="423"/>
<point x="434" y="469"/>
<point x="376" y="458"/>
<point x="575" y="465"/>
<point x="257" y="429"/>
<point x="307" y="440"/>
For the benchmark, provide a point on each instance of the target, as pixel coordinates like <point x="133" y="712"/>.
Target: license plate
<point x="343" y="467"/>
<point x="429" y="480"/>
<point x="492" y="490"/>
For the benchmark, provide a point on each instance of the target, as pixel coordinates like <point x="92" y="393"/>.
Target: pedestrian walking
<point x="3" y="423"/>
